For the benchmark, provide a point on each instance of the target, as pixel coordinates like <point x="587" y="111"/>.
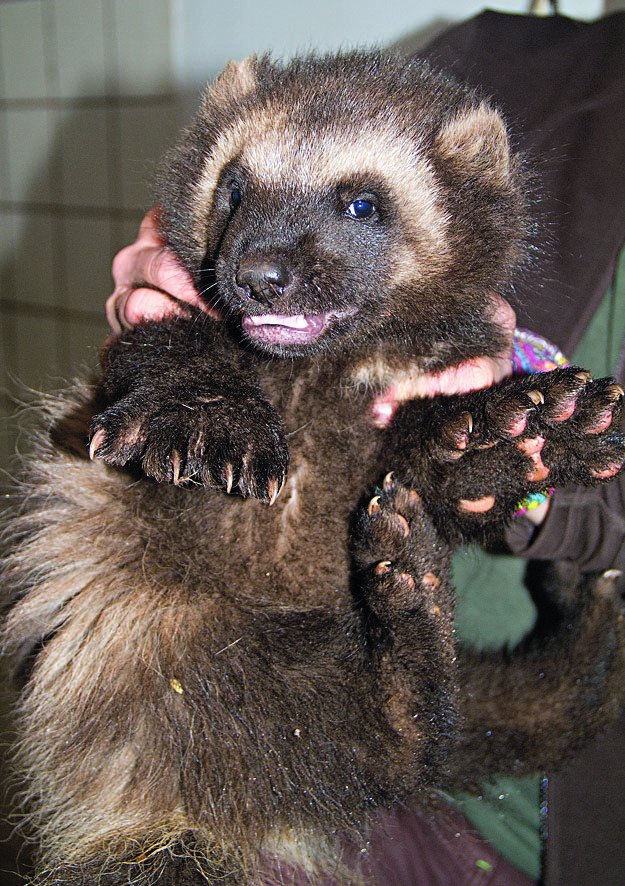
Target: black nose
<point x="262" y="278"/>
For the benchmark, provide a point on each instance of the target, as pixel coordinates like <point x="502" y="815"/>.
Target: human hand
<point x="150" y="284"/>
<point x="473" y="374"/>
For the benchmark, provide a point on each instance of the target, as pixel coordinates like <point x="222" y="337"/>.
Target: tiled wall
<point x="87" y="106"/>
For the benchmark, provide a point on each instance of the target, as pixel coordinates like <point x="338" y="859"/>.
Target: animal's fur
<point x="212" y="679"/>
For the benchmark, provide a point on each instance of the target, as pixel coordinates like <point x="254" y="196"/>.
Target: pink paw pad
<point x="611" y="471"/>
<point x="565" y="410"/>
<point x="477" y="505"/>
<point x="531" y="445"/>
<point x="539" y="470"/>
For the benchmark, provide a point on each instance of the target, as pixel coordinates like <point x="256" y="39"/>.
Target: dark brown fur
<point x="221" y="686"/>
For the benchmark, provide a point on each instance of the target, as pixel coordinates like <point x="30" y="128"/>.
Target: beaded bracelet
<point x="533" y="500"/>
<point x="533" y="353"/>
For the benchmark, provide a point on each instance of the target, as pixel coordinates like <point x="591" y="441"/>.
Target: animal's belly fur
<point x="294" y="553"/>
<point x="165" y="686"/>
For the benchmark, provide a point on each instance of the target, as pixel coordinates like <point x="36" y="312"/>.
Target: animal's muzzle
<point x="262" y="278"/>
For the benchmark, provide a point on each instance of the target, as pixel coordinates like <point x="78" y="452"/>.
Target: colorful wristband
<point x="533" y="353"/>
<point x="533" y="500"/>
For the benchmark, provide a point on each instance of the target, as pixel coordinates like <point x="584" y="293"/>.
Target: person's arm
<point x="584" y="525"/>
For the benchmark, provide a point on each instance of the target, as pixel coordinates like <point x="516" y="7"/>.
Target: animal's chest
<point x="297" y="550"/>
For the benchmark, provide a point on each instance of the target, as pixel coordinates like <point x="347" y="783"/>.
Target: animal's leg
<point x="474" y="457"/>
<point x="403" y="568"/>
<point x="526" y="711"/>
<point x="185" y="406"/>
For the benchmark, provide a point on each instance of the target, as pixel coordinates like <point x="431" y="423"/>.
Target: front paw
<point x="562" y="424"/>
<point x="236" y="444"/>
<point x="480" y="454"/>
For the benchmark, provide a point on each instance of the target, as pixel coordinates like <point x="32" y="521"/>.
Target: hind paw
<point x="399" y="551"/>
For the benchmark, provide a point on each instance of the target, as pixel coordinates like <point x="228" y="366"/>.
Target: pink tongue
<point x="284" y="329"/>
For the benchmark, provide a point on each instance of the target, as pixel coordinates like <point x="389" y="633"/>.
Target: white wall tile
<point x="80" y="41"/>
<point x="82" y="137"/>
<point x="83" y="343"/>
<point x="5" y="186"/>
<point x="88" y="256"/>
<point x="146" y="133"/>
<point x="22" y="50"/>
<point x="33" y="257"/>
<point x="7" y="245"/>
<point x="28" y="151"/>
<point x="35" y="362"/>
<point x="143" y="36"/>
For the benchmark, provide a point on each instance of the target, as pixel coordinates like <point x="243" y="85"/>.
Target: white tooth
<point x="294" y="322"/>
<point x="298" y="322"/>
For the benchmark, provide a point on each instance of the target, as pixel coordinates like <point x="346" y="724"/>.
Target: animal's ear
<point x="237" y="80"/>
<point x="476" y="140"/>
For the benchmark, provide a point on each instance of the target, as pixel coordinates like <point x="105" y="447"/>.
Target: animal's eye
<point x="235" y="196"/>
<point x="361" y="209"/>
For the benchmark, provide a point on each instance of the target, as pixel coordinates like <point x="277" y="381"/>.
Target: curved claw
<point x="228" y="478"/>
<point x="97" y="441"/>
<point x="273" y="490"/>
<point x="383" y="567"/>
<point x="175" y="466"/>
<point x="537" y="397"/>
<point x="388" y="482"/>
<point x="374" y="505"/>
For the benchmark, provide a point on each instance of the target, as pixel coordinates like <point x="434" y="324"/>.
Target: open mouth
<point x="290" y="329"/>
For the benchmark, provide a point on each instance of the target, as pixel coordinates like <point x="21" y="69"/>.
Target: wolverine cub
<point x="220" y="691"/>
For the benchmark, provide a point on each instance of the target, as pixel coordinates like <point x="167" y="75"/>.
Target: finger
<point x="384" y="407"/>
<point x="125" y="308"/>
<point x="148" y="261"/>
<point x="503" y="314"/>
<point x="115" y="310"/>
<point x="472" y="375"/>
<point x="149" y="237"/>
<point x="150" y="228"/>
<point x="159" y="268"/>
<point x="144" y="305"/>
<point x="135" y="266"/>
<point x="150" y="283"/>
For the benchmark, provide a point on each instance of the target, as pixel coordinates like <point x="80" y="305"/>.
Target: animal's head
<point x="346" y="199"/>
